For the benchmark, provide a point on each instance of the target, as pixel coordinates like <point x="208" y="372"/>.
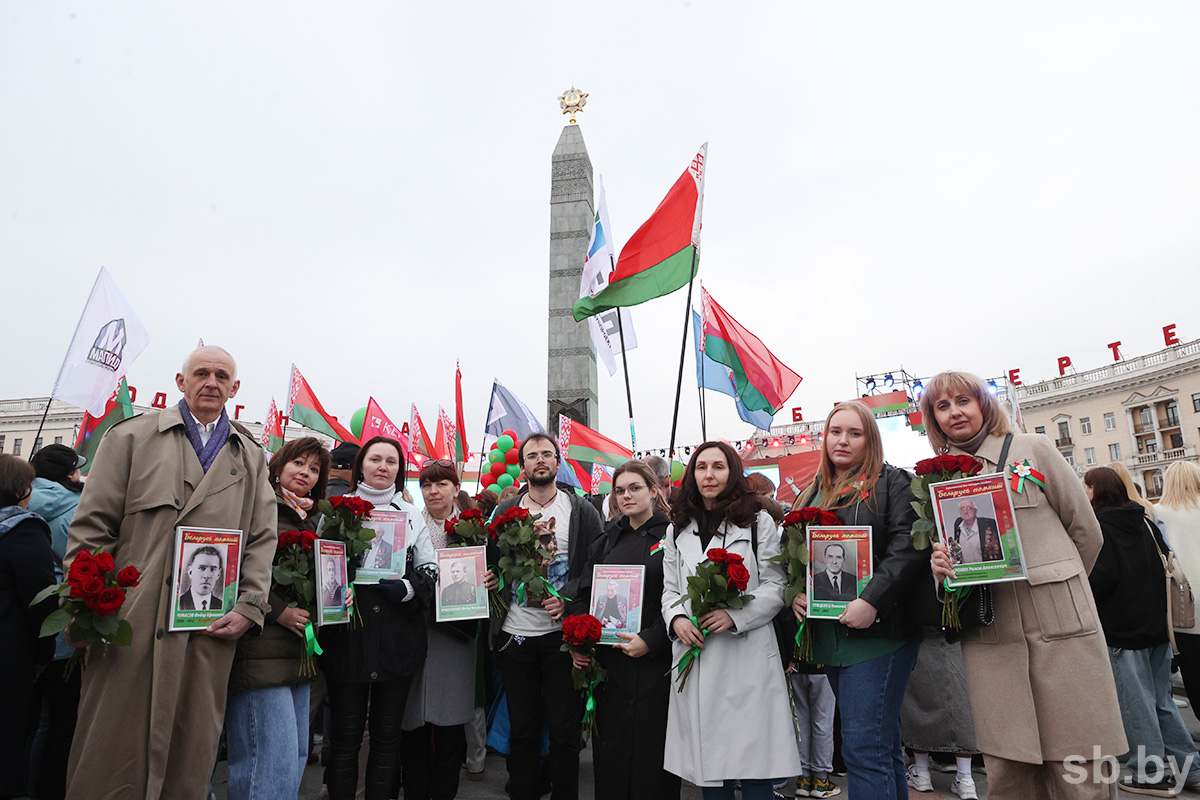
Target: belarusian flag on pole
<point x="421" y="443"/>
<point x="763" y="382"/>
<point x="658" y="258"/>
<point x="272" y="435"/>
<point x="460" y="447"/>
<point x="92" y="429"/>
<point x="305" y="409"/>
<point x="377" y="423"/>
<point x="578" y="442"/>
<point x="446" y="435"/>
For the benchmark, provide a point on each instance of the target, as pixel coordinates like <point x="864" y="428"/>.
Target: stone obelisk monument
<point x="571" y="361"/>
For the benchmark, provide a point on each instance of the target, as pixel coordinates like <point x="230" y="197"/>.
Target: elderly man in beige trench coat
<point x="150" y="714"/>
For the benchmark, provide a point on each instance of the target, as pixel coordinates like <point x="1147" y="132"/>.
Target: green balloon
<point x="494" y="456"/>
<point x="676" y="470"/>
<point x="494" y="488"/>
<point x="356" y="421"/>
<point x="513" y="469"/>
<point x="504" y="481"/>
<point x="505" y="442"/>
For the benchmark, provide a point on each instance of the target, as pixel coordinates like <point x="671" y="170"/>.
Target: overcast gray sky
<point x="363" y="188"/>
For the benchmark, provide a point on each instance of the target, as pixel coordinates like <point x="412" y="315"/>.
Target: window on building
<point x="1151" y="446"/>
<point x="16" y="447"/>
<point x="1176" y="441"/>
<point x="58" y="440"/>
<point x="1146" y="416"/>
<point x="1110" y="421"/>
<point x="1196" y="403"/>
<point x="1114" y="452"/>
<point x="1" y="444"/>
<point x="1064" y="431"/>
<point x="1085" y="426"/>
<point x="37" y="445"/>
<point x="1089" y="455"/>
<point x="1040" y="429"/>
<point x="1172" y="414"/>
<point x="1069" y="455"/>
<point x="1156" y="483"/>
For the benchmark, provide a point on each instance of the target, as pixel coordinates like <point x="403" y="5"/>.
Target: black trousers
<point x="348" y="707"/>
<point x="433" y="756"/>
<point x="1189" y="664"/>
<point x="61" y="699"/>
<point x="537" y="680"/>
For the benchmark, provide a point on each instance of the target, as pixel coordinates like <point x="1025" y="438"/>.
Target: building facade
<point x="1143" y="412"/>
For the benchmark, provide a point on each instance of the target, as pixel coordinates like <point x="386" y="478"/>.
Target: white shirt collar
<point x="205" y="430"/>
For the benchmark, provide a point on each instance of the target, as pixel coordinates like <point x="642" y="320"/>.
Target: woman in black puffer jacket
<point x="266" y="717"/>
<point x="1131" y="599"/>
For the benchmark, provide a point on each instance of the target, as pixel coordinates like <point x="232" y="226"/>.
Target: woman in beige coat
<point x="1039" y="679"/>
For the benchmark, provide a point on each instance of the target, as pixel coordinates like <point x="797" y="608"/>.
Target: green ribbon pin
<point x="310" y="641"/>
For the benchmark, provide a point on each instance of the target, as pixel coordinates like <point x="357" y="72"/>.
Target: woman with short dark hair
<point x="442" y="698"/>
<point x="738" y="668"/>
<point x="266" y="716"/>
<point x="26" y="568"/>
<point x="1131" y="598"/>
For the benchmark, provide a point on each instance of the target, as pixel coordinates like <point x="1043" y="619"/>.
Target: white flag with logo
<point x="596" y="266"/>
<point x="107" y="339"/>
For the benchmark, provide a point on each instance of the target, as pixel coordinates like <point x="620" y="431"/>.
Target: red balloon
<point x="511" y="456"/>
<point x="494" y="445"/>
<point x="510" y="432"/>
<point x="486" y="479"/>
<point x="498" y="469"/>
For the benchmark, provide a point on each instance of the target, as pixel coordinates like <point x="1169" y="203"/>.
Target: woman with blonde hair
<point x="1132" y="489"/>
<point x="1179" y="514"/>
<point x="869" y="652"/>
<point x="1040" y="683"/>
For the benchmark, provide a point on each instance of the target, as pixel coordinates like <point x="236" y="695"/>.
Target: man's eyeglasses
<point x="632" y="488"/>
<point x="545" y="455"/>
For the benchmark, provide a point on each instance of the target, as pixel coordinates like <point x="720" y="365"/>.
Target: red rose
<point x="88" y="587"/>
<point x="128" y="577"/>
<point x="718" y="556"/>
<point x="793" y="518"/>
<point x="288" y="538"/>
<point x="448" y="526"/>
<point x="733" y="558"/>
<point x="306" y="539"/>
<point x="471" y="515"/>
<point x="581" y="630"/>
<point x="738" y="576"/>
<point x="947" y="463"/>
<point x="107" y="601"/>
<point x="82" y="569"/>
<point x="810" y="513"/>
<point x="969" y="465"/>
<point x="829" y="518"/>
<point x="105" y="562"/>
<point x="925" y="466"/>
<point x="85" y="555"/>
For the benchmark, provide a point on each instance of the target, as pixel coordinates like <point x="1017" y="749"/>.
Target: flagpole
<point x="703" y="380"/>
<point x="687" y="320"/>
<point x="625" y="366"/>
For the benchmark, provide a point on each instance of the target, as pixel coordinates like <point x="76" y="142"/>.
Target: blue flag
<point x="506" y="412"/>
<point x="714" y="375"/>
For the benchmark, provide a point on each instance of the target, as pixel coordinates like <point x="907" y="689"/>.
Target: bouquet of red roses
<point x="523" y="558"/>
<point x="794" y="557"/>
<point x="936" y="470"/>
<point x="580" y="634"/>
<point x="719" y="582"/>
<point x="344" y="523"/>
<point x="93" y="593"/>
<point x="295" y="573"/>
<point x="468" y="530"/>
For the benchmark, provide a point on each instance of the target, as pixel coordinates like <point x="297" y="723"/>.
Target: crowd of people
<point x="1065" y="670"/>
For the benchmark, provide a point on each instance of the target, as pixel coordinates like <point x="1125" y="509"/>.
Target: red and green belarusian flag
<point x="578" y="442"/>
<point x="658" y="258"/>
<point x="305" y="409"/>
<point x="763" y="382"/>
<point x="272" y="435"/>
<point x="92" y="429"/>
<point x="421" y="443"/>
<point x="446" y="436"/>
<point x="883" y="403"/>
<point x="460" y="447"/>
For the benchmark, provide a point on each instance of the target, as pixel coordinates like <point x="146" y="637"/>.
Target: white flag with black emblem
<point x="107" y="339"/>
<point x="606" y="335"/>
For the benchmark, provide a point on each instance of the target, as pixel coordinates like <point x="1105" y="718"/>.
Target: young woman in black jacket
<point x="869" y="652"/>
<point x="631" y="706"/>
<point x="1131" y="599"/>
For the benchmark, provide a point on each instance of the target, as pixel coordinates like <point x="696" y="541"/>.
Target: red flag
<point x="580" y="443"/>
<point x="460" y="450"/>
<point x="305" y="409"/>
<point x="376" y="423"/>
<point x="272" y="435"/>
<point x="421" y="443"/>
<point x="763" y="382"/>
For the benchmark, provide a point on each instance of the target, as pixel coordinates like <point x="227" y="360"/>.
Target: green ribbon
<point x="310" y="640"/>
<point x="499" y="577"/>
<point x="521" y="594"/>
<point x="549" y="588"/>
<point x="800" y="630"/>
<point x="693" y="651"/>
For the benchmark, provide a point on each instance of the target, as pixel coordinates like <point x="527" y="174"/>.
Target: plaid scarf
<point x="207" y="453"/>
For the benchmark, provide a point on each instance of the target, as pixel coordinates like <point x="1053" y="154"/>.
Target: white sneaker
<point x="964" y="788"/>
<point x="919" y="780"/>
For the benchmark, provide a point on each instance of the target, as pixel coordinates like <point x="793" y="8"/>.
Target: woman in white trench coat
<point x="732" y="720"/>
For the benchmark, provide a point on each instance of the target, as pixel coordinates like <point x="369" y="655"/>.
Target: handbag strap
<point x="1167" y="558"/>
<point x="1004" y="451"/>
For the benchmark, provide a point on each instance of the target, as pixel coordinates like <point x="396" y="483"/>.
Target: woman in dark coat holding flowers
<point x="631" y="705"/>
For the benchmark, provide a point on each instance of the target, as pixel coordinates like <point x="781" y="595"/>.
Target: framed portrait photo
<point x="975" y="520"/>
<point x="205" y="576"/>
<point x="460" y="593"/>
<point x="385" y="557"/>
<point x="331" y="583"/>
<point x="839" y="567"/>
<point x="617" y="599"/>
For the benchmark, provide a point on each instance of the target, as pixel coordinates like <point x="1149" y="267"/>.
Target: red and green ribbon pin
<point x="1023" y="472"/>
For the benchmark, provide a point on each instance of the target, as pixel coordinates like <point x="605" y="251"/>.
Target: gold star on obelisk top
<point x="571" y="101"/>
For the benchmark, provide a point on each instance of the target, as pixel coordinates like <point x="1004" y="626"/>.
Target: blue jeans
<point x="869" y="697"/>
<point x="267" y="735"/>
<point x="755" y="789"/>
<point x="1148" y="711"/>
